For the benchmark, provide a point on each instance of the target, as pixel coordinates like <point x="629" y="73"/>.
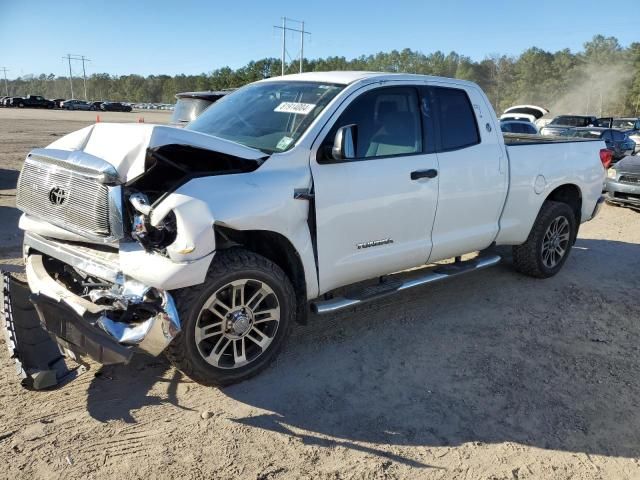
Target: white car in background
<point x="528" y="113"/>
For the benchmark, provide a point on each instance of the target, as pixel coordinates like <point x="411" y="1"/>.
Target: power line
<point x="83" y="59"/>
<point x="286" y="29"/>
<point x="6" y="86"/>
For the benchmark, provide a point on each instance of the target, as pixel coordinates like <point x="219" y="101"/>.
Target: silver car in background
<point x="76" y="105"/>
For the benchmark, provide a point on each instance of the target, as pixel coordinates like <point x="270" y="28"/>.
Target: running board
<point x="394" y="285"/>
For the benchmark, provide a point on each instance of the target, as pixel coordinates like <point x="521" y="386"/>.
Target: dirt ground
<point x="489" y="376"/>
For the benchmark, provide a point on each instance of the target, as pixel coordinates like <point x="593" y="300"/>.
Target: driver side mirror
<point x="344" y="143"/>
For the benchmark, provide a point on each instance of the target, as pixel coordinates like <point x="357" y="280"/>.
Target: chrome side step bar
<point x="394" y="285"/>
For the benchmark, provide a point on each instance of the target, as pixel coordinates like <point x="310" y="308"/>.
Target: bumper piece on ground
<point x="76" y="334"/>
<point x="38" y="360"/>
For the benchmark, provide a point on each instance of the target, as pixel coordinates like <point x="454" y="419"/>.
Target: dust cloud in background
<point x="600" y="90"/>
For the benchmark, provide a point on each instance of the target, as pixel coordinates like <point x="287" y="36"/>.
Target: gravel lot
<point x="489" y="376"/>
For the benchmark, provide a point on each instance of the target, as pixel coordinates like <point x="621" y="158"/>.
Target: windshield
<point x="623" y="124"/>
<point x="268" y="116"/>
<point x="570" y="121"/>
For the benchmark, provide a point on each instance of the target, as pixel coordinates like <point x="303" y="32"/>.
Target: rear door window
<point x="457" y="122"/>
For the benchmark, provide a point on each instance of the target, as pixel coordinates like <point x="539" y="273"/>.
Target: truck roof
<point x="348" y="77"/>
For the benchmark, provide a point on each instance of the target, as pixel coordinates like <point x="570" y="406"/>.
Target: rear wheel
<point x="549" y="243"/>
<point x="235" y="323"/>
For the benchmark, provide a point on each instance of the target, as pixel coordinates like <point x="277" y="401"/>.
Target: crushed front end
<point x="96" y="289"/>
<point x="106" y="238"/>
<point x="74" y="229"/>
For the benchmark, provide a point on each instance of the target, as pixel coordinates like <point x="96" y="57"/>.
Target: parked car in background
<point x="629" y="125"/>
<point x="94" y="105"/>
<point x="114" y="107"/>
<point x="518" y="126"/>
<point x="13" y="101"/>
<point x="623" y="182"/>
<point x="529" y="113"/>
<point x="618" y="142"/>
<point x="34" y="101"/>
<point x="562" y="123"/>
<point x="57" y="102"/>
<point x="75" y="105"/>
<point x="192" y="104"/>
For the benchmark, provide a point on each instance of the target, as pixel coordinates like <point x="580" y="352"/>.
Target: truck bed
<point x="515" y="139"/>
<point x="537" y="165"/>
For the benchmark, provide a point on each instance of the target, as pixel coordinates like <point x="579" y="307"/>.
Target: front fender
<point x="194" y="221"/>
<point x="260" y="200"/>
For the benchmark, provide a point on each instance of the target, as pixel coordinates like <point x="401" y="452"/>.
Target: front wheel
<point x="235" y="323"/>
<point x="549" y="243"/>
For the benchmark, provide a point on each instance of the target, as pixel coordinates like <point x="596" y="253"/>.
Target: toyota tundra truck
<point x="310" y="192"/>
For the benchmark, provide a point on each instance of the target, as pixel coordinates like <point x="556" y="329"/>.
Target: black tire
<point x="229" y="265"/>
<point x="21" y="105"/>
<point x="528" y="257"/>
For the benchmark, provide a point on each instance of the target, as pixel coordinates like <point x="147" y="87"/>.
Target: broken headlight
<point x="152" y="238"/>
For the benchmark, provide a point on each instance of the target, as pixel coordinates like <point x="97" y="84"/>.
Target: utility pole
<point x="301" y="46"/>
<point x="82" y="59"/>
<point x="68" y="57"/>
<point x="286" y="29"/>
<point x="84" y="76"/>
<point x="284" y="41"/>
<point x="6" y="86"/>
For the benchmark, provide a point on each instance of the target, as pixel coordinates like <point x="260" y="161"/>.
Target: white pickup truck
<point x="207" y="243"/>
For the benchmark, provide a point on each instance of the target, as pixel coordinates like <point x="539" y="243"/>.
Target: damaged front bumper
<point x="107" y="325"/>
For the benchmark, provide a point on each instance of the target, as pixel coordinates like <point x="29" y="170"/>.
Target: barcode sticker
<point x="295" y="107"/>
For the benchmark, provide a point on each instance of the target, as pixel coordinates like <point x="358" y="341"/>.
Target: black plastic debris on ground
<point x="38" y="360"/>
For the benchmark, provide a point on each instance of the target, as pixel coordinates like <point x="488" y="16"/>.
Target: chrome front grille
<point x="630" y="179"/>
<point x="68" y="196"/>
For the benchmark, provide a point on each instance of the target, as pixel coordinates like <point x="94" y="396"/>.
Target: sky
<point x="194" y="36"/>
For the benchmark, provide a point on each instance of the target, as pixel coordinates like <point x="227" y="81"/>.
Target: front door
<point x="374" y="213"/>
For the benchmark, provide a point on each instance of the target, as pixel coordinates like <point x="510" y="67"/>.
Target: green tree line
<point x="603" y="78"/>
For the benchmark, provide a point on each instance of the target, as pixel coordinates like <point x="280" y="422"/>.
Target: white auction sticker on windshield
<point x="295" y="107"/>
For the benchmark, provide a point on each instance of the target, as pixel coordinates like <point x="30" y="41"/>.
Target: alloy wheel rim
<point x="555" y="242"/>
<point x="237" y="323"/>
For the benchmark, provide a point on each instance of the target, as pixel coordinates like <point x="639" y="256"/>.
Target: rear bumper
<point x="87" y="328"/>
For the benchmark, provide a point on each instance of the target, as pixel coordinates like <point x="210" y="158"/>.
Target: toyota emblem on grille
<point x="58" y="196"/>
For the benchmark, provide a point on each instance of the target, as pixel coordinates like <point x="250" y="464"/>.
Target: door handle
<point x="431" y="173"/>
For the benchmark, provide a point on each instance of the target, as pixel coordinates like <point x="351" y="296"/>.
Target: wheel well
<point x="275" y="247"/>
<point x="571" y="195"/>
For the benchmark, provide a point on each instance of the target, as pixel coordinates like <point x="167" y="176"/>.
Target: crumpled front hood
<point x="124" y="145"/>
<point x="628" y="165"/>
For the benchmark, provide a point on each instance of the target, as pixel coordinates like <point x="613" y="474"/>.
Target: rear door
<point x="472" y="175"/>
<point x="374" y="213"/>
